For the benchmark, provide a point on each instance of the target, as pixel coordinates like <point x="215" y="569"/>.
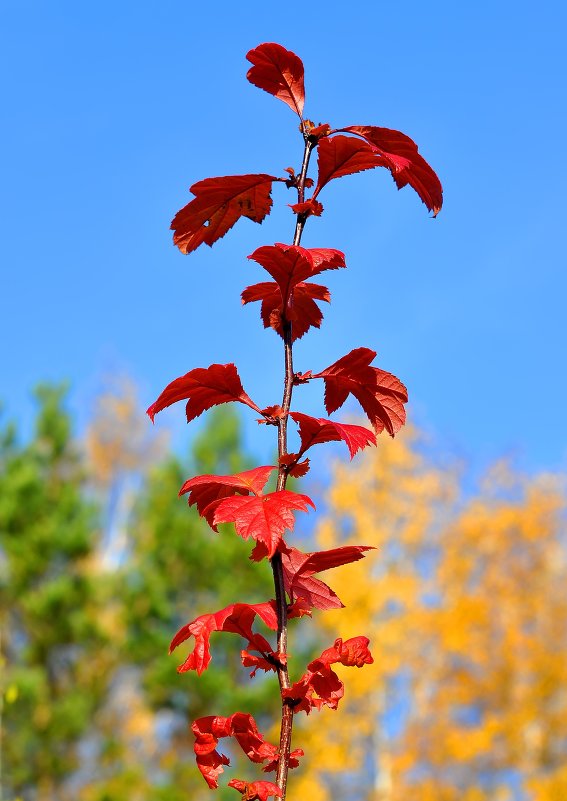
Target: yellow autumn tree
<point x="465" y="603"/>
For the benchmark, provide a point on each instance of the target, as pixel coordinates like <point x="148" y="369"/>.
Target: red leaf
<point x="263" y="518"/>
<point x="255" y="791"/>
<point x="290" y="298"/>
<point x="205" y="490"/>
<point x="298" y="569"/>
<point x="381" y="394"/>
<point x="293" y="760"/>
<point x="236" y="618"/>
<point x="291" y="264"/>
<point x="319" y="561"/>
<point x="317" y="131"/>
<point x="316" y="688"/>
<point x="272" y="414"/>
<point x="260" y="662"/>
<point x="344" y="155"/>
<point x="299" y="608"/>
<point x="404" y="162"/>
<point x="279" y="72"/>
<point x="320" y="685"/>
<point x="300" y="469"/>
<point x="217" y="205"/>
<point x="314" y="431"/>
<point x="308" y="208"/>
<point x="352" y="653"/>
<point x="303" y="313"/>
<point x="203" y="388"/>
<point x="209" y="730"/>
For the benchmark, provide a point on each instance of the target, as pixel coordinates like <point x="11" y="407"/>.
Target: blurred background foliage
<point x="100" y="563"/>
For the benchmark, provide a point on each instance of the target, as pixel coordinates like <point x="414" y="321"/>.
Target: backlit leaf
<point x="291" y="264"/>
<point x="209" y="730"/>
<point x="313" y="431"/>
<point x="291" y="298"/>
<point x="320" y="685"/>
<point x="279" y="72"/>
<point x="344" y="155"/>
<point x="352" y="653"/>
<point x="204" y="491"/>
<point x="303" y="313"/>
<point x="255" y="791"/>
<point x="263" y="518"/>
<point x="404" y="162"/>
<point x="217" y="205"/>
<point x="236" y="618"/>
<point x="381" y="394"/>
<point x="203" y="388"/>
<point x="299" y="568"/>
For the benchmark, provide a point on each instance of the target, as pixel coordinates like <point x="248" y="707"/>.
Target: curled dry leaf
<point x="308" y="208"/>
<point x="255" y="791"/>
<point x="242" y="726"/>
<point x="320" y="685"/>
<point x="353" y="652"/>
<point x="236" y="618"/>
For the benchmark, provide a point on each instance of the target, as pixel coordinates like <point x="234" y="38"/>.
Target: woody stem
<point x="277" y="569"/>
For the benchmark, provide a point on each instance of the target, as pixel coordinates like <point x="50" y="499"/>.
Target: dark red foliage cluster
<point x="289" y="304"/>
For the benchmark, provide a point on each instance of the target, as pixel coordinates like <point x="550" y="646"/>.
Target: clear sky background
<point x="111" y="110"/>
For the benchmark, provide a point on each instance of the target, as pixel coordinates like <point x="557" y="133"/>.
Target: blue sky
<point x="112" y="110"/>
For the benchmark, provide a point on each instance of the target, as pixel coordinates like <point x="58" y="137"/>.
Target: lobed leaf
<point x="236" y="618"/>
<point x="404" y="161"/>
<point x="298" y="469"/>
<point x="314" y="431"/>
<point x="218" y="204"/>
<point x="381" y="394"/>
<point x="242" y="726"/>
<point x="279" y="72"/>
<point x="204" y="491"/>
<point x="290" y="298"/>
<point x="320" y="685"/>
<point x="299" y="568"/>
<point x="303" y="313"/>
<point x="352" y="653"/>
<point x="203" y="388"/>
<point x="309" y="208"/>
<point x="266" y="663"/>
<point x="289" y="265"/>
<point x="263" y="518"/>
<point x="338" y="156"/>
<point x="255" y="791"/>
<point x="316" y="688"/>
<point x="293" y="761"/>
